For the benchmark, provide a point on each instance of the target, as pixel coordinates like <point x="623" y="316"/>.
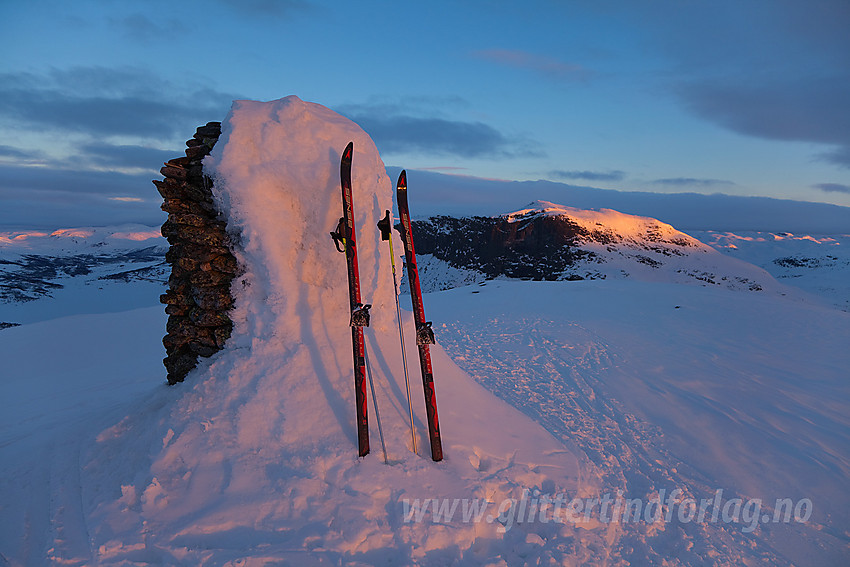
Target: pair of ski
<point x="345" y="240"/>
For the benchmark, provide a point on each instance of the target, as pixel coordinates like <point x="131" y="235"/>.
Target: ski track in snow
<point x="560" y="385"/>
<point x="555" y="370"/>
<point x="556" y="366"/>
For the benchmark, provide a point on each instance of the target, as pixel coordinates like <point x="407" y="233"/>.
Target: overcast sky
<point x="741" y="97"/>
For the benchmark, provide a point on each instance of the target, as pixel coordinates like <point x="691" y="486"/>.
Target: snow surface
<point x="817" y="263"/>
<point x="439" y="275"/>
<point x="581" y="388"/>
<point x="666" y="386"/>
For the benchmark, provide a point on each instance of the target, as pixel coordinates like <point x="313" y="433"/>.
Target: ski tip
<point x="349" y="149"/>
<point x="402" y="180"/>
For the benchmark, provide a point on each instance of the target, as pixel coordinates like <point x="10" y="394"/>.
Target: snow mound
<point x="257" y="459"/>
<point x="276" y="172"/>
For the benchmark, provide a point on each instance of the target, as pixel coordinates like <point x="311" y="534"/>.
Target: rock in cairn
<point x="202" y="266"/>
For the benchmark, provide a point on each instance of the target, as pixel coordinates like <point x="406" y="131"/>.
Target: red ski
<point x="424" y="334"/>
<point x="345" y="242"/>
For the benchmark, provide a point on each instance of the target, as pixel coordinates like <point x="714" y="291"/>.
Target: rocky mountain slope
<point x="546" y="241"/>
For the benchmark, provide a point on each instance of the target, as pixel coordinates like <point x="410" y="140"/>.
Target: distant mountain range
<point x="32" y="276"/>
<point x="49" y="274"/>
<point x="69" y="271"/>
<point x="818" y="264"/>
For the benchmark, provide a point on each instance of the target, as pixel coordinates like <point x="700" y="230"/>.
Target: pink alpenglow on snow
<point x="651" y="417"/>
<point x="257" y="457"/>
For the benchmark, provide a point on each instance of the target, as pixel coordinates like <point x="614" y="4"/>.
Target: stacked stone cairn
<point x="202" y="266"/>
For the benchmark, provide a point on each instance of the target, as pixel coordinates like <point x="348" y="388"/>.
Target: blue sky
<point x="741" y="97"/>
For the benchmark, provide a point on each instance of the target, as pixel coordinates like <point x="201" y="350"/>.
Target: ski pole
<point x="385" y="225"/>
<point x="375" y="403"/>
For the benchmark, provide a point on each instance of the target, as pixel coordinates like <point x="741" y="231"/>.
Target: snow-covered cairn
<point x="267" y="195"/>
<point x="276" y="178"/>
<point x="202" y="266"/>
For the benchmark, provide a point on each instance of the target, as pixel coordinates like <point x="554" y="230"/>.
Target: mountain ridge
<point x="547" y="241"/>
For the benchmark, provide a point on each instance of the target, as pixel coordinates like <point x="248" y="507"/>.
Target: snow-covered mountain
<point x="546" y="241"/>
<point x="678" y="421"/>
<point x="817" y="263"/>
<point x="68" y="271"/>
<point x="71" y="241"/>
<point x="459" y="195"/>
